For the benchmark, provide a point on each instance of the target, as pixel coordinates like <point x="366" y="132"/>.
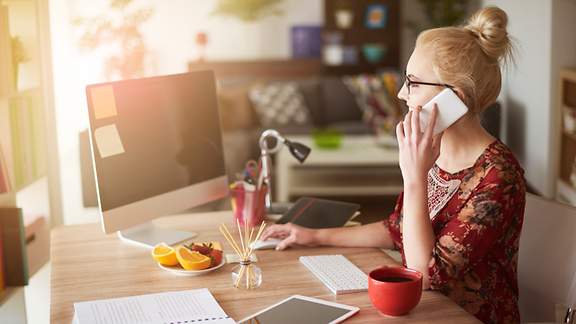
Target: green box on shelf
<point x="327" y="138"/>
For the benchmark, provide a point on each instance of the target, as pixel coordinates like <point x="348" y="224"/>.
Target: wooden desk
<point x="88" y="265"/>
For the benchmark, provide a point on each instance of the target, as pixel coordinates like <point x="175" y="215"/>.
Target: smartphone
<point x="450" y="109"/>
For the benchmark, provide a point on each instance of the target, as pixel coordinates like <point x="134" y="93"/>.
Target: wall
<point x="169" y="35"/>
<point x="170" y="38"/>
<point x="544" y="42"/>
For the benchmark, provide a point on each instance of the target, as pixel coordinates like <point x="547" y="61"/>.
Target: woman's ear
<point x="465" y="99"/>
<point x="460" y="94"/>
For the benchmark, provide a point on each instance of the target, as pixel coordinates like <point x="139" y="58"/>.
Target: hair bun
<point x="489" y="27"/>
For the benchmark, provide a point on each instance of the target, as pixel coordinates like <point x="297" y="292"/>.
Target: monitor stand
<point x="148" y="235"/>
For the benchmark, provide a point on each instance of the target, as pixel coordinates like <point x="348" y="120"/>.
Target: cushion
<point x="279" y="104"/>
<point x="339" y="103"/>
<point x="311" y="90"/>
<point x="376" y="97"/>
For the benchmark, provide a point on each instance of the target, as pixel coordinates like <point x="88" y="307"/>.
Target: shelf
<point x="566" y="192"/>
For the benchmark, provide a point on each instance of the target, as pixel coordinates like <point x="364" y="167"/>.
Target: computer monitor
<point x="157" y="150"/>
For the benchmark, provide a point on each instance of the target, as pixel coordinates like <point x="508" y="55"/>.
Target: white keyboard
<point x="336" y="272"/>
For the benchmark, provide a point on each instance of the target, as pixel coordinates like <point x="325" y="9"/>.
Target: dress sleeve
<point x="483" y="219"/>
<point x="394" y="221"/>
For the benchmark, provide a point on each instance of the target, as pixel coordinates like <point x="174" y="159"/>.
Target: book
<point x="14" y="246"/>
<point x="2" y="275"/>
<point x="319" y="213"/>
<point x="4" y="176"/>
<point x="189" y="306"/>
<point x="306" y="41"/>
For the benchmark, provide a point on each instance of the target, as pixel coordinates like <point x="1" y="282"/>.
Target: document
<point x="190" y="306"/>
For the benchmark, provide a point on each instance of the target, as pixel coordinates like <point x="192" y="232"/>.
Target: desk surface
<point x="88" y="265"/>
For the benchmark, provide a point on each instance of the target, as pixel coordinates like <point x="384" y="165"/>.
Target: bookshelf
<point x="566" y="182"/>
<point x="365" y="47"/>
<point x="28" y="131"/>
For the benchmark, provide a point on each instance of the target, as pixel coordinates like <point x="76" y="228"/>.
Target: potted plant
<point x="248" y="10"/>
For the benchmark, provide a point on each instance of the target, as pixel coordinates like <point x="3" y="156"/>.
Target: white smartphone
<point x="450" y="109"/>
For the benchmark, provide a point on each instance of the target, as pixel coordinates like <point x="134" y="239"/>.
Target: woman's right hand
<point x="290" y="234"/>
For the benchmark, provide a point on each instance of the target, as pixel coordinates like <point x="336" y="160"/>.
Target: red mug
<point x="394" y="291"/>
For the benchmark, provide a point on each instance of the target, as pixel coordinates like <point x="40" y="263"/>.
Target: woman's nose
<point x="403" y="93"/>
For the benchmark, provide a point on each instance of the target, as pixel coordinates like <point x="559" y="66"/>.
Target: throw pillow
<point x="376" y="95"/>
<point x="279" y="104"/>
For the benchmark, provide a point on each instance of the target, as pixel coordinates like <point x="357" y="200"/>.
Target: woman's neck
<point x="463" y="143"/>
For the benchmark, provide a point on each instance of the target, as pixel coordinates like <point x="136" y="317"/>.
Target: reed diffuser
<point x="246" y="275"/>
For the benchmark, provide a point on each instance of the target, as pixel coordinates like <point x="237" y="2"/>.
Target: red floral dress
<point x="477" y="232"/>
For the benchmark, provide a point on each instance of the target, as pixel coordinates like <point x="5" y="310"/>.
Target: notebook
<point x="319" y="213"/>
<point x="189" y="306"/>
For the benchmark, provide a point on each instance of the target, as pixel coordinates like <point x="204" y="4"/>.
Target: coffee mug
<point x="394" y="291"/>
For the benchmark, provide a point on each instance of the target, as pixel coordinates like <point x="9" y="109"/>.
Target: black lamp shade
<point x="298" y="150"/>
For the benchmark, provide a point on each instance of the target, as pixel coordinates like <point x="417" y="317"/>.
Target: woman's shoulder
<point x="500" y="164"/>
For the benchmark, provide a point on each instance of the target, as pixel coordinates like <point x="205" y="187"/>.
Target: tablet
<point x="302" y="310"/>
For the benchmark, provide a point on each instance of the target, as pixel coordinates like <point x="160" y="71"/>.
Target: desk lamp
<point x="570" y="316"/>
<point x="298" y="150"/>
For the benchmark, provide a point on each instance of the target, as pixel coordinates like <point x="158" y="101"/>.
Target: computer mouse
<point x="265" y="245"/>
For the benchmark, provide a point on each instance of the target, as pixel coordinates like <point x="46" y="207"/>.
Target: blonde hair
<point x="469" y="57"/>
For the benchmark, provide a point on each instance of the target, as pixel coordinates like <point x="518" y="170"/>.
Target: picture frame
<point x="376" y="16"/>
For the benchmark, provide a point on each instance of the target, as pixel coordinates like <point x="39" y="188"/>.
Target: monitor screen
<point x="153" y="136"/>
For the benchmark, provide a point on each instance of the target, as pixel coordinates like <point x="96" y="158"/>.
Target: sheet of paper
<point x="103" y="101"/>
<point x="108" y="141"/>
<point x="192" y="305"/>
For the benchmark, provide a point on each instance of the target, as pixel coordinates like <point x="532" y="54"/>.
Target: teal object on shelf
<point x="374" y="53"/>
<point x="327" y="139"/>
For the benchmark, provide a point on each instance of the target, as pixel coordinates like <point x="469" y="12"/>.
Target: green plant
<point x="441" y="13"/>
<point x="248" y="10"/>
<point x="120" y="30"/>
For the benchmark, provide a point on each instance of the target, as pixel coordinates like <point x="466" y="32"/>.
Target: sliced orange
<point x="165" y="254"/>
<point x="192" y="260"/>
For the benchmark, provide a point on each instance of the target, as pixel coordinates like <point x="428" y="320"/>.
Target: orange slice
<point x="192" y="260"/>
<point x="165" y="255"/>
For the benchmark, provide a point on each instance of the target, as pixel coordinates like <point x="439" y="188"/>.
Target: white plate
<point x="177" y="270"/>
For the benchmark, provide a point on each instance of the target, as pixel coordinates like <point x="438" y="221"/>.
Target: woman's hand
<point x="290" y="234"/>
<point x="418" y="150"/>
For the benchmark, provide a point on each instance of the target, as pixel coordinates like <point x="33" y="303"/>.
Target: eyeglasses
<point x="409" y="83"/>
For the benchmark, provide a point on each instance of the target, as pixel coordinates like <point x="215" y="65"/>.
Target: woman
<point x="459" y="218"/>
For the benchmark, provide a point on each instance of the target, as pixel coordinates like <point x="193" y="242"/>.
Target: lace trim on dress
<point x="440" y="191"/>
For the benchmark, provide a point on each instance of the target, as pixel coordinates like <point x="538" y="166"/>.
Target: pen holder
<point x="248" y="203"/>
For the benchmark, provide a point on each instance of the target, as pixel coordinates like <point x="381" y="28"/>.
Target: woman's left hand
<point x="418" y="150"/>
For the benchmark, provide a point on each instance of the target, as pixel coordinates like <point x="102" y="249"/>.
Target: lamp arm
<point x="265" y="156"/>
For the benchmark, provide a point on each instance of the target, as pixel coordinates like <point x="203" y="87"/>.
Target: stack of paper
<point x="190" y="306"/>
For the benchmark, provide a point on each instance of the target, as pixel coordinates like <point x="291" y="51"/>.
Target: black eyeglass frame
<point x="409" y="82"/>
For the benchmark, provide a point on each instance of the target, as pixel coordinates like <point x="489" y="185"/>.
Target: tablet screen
<point x="295" y="310"/>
